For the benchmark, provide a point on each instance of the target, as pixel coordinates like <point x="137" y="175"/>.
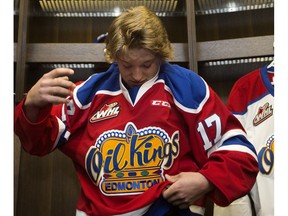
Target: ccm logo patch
<point x="160" y="103"/>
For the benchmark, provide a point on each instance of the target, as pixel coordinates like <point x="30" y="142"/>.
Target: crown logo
<point x="266" y="157"/>
<point x="131" y="161"/>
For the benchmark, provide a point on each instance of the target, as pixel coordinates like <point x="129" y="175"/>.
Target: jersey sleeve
<point x="54" y="125"/>
<point x="40" y="137"/>
<point x="232" y="165"/>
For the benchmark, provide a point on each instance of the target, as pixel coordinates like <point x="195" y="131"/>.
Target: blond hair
<point x="137" y="27"/>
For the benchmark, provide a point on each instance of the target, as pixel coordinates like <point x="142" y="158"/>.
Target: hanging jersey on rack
<point x="251" y="100"/>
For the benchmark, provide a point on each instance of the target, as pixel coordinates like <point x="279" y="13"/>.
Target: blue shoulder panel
<point x="265" y="79"/>
<point x="108" y="81"/>
<point x="188" y="88"/>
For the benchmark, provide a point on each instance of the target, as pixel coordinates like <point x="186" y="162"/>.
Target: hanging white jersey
<point x="252" y="101"/>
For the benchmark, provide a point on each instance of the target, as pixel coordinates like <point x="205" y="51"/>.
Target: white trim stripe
<point x="238" y="148"/>
<point x="232" y="147"/>
<point x="61" y="130"/>
<point x="197" y="209"/>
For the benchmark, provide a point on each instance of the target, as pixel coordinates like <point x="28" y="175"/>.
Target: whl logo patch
<point x="263" y="113"/>
<point x="108" y="111"/>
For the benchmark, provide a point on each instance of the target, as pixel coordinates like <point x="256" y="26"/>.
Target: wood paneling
<point x="235" y="25"/>
<point x="47" y="186"/>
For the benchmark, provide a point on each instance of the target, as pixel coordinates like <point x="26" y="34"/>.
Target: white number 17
<point x="213" y="119"/>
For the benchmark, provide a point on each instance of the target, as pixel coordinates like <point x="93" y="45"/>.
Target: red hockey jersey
<point x="122" y="148"/>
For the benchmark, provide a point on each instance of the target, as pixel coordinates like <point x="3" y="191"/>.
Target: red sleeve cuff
<point x="42" y="116"/>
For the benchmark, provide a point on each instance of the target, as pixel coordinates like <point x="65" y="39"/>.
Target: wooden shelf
<point x="206" y="51"/>
<point x="81" y="52"/>
<point x="235" y="48"/>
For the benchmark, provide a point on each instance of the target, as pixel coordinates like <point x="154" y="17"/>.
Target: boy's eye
<point x="127" y="65"/>
<point x="146" y="65"/>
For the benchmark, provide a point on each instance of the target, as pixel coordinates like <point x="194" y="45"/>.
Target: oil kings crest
<point x="131" y="161"/>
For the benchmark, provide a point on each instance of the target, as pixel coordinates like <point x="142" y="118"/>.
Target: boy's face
<point x="138" y="66"/>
